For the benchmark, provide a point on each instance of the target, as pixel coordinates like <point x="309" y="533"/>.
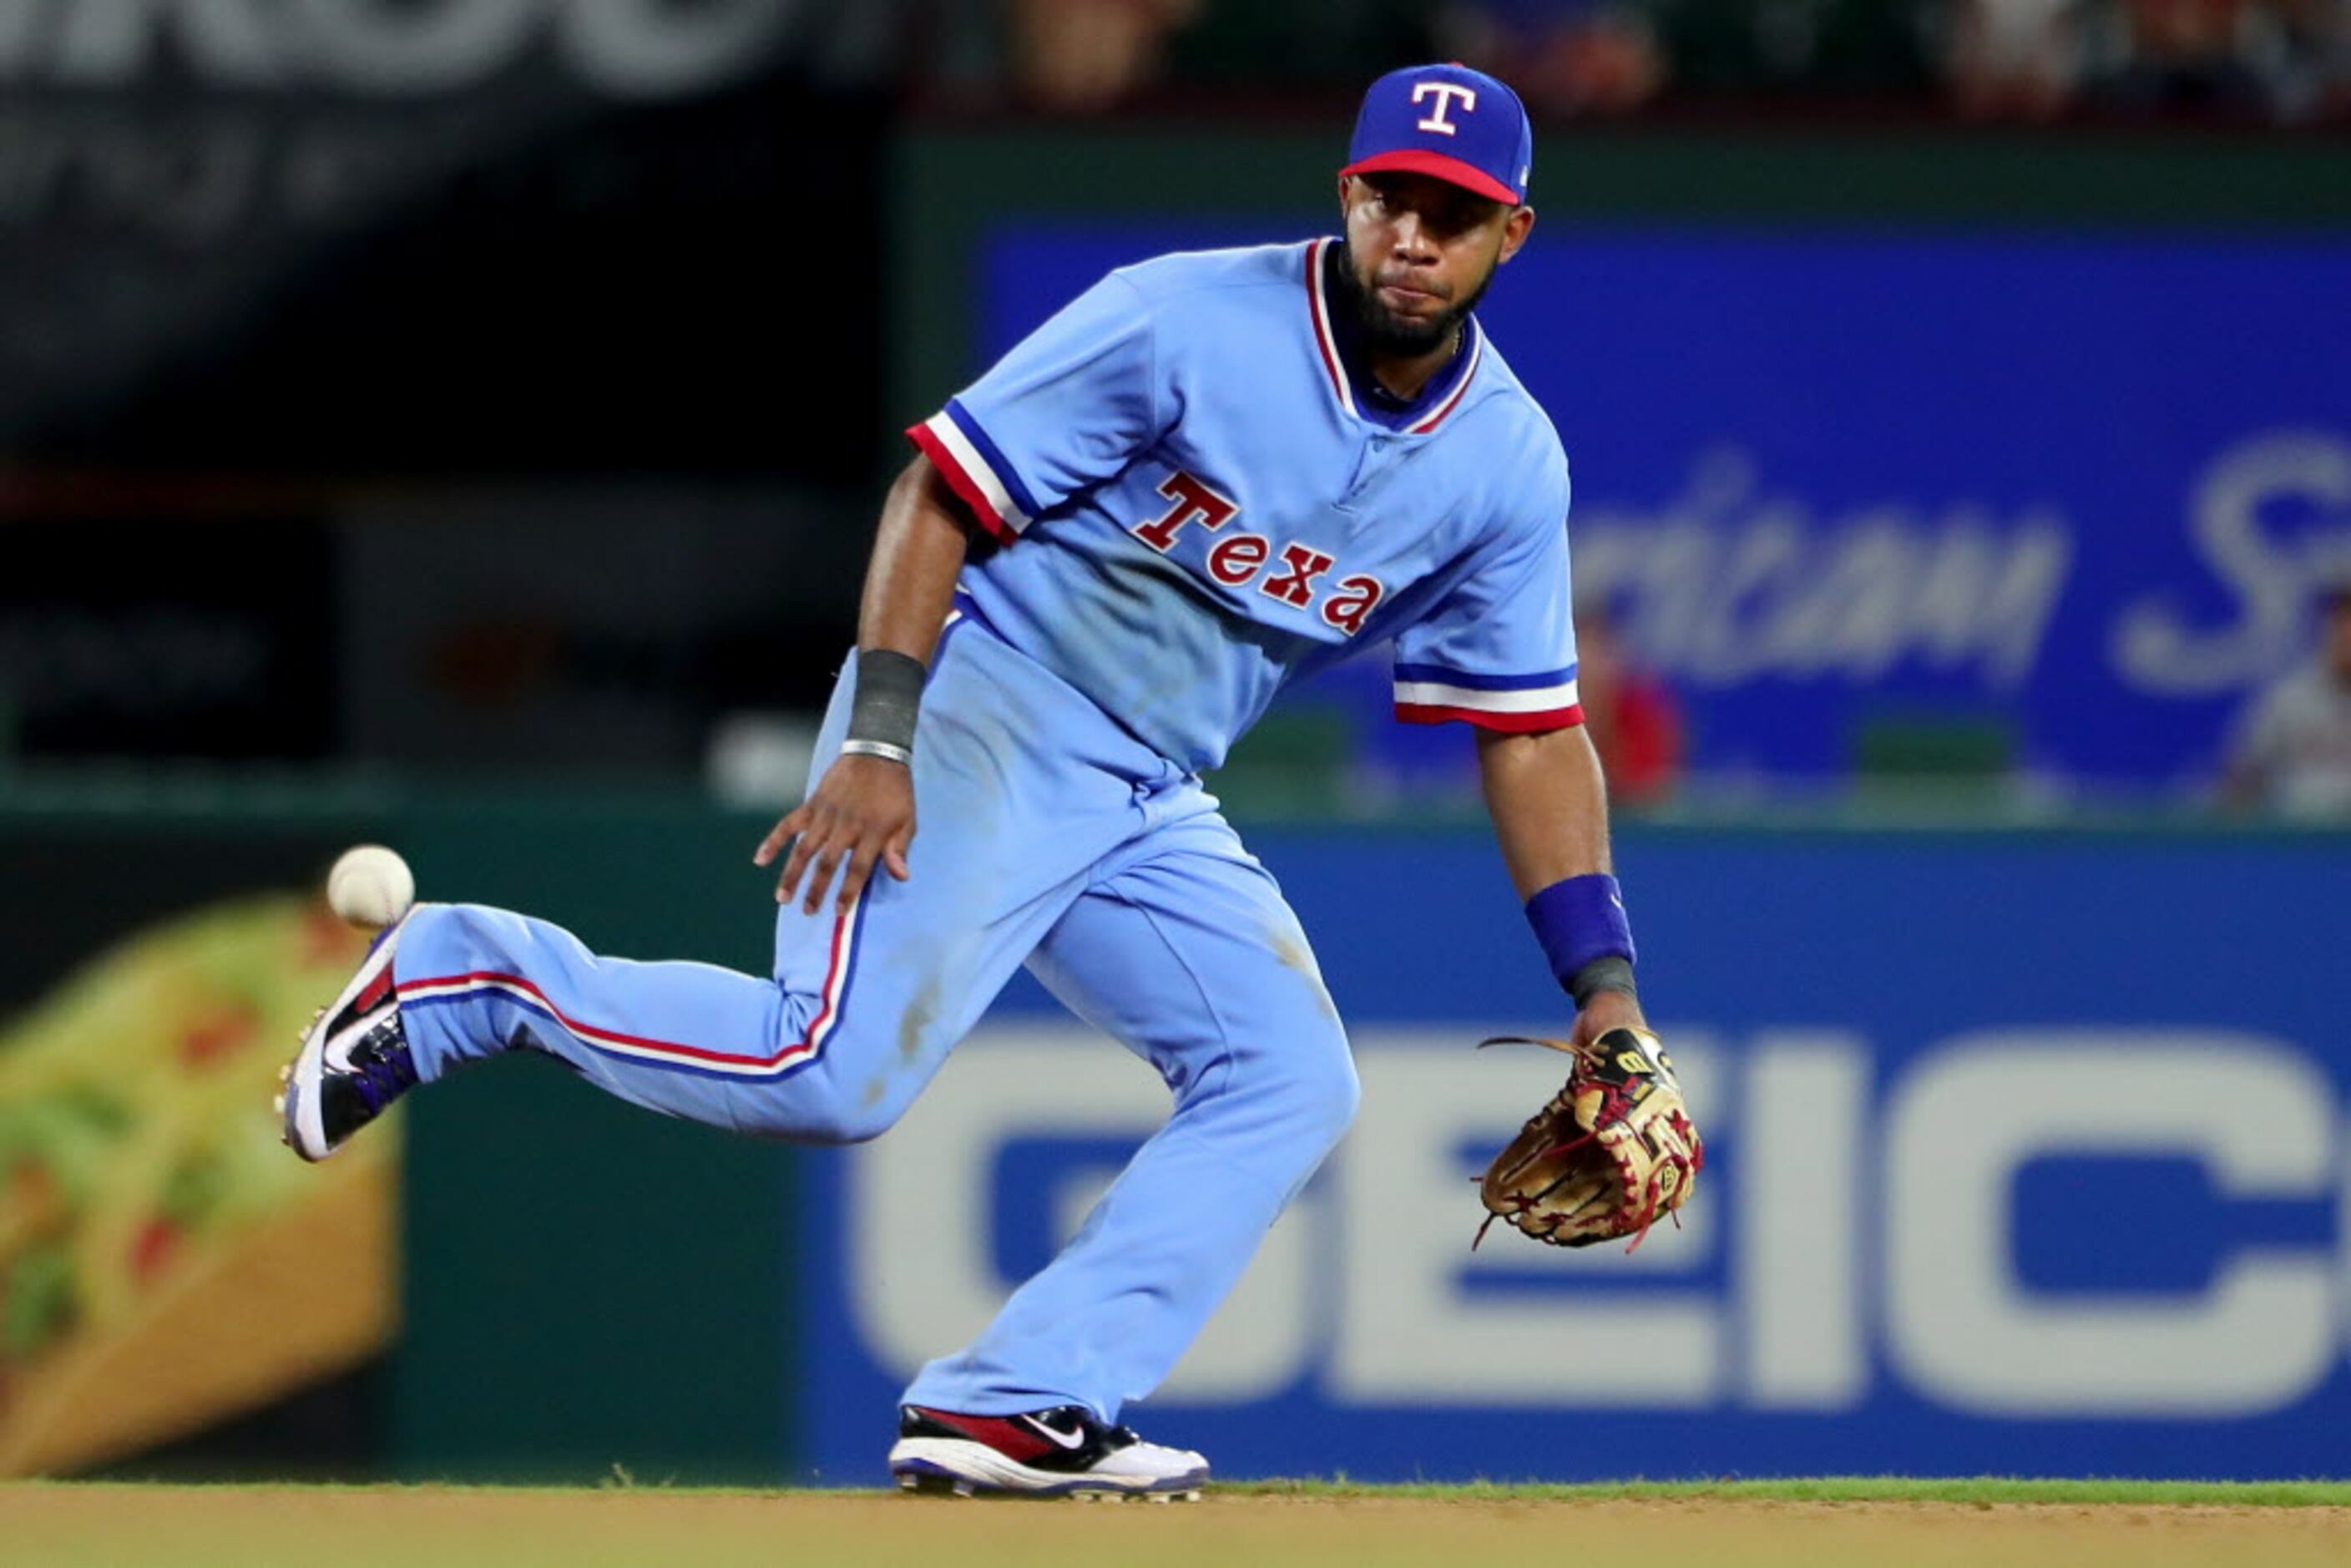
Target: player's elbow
<point x="921" y="483"/>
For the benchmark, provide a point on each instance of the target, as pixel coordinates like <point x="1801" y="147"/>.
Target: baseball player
<point x="1209" y="476"/>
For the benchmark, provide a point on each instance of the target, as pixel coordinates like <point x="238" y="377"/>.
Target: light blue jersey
<point x="1195" y="500"/>
<point x="1195" y="506"/>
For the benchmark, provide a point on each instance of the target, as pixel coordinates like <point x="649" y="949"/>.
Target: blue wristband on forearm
<point x="1578" y="921"/>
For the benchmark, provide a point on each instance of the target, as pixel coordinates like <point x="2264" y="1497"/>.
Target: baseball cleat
<point x="1061" y="1452"/>
<point x="354" y="1063"/>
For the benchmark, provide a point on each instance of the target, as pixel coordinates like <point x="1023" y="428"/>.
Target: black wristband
<point x="1610" y="973"/>
<point x="888" y="697"/>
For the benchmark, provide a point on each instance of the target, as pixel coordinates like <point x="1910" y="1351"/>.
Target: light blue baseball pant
<point x="1046" y="835"/>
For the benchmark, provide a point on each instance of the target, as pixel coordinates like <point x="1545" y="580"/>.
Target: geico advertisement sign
<point x="1850" y="1232"/>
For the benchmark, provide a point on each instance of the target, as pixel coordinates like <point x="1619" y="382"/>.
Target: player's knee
<point x="1321" y="1088"/>
<point x="1341" y="1091"/>
<point x="855" y="1124"/>
<point x="810" y="1108"/>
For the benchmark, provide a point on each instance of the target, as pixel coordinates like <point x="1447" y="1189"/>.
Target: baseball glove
<point x="1613" y="1152"/>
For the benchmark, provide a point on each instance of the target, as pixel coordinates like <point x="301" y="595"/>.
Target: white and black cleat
<point x="1061" y="1452"/>
<point x="355" y="1061"/>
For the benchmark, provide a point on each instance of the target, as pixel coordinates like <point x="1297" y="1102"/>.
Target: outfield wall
<point x="2027" y="1156"/>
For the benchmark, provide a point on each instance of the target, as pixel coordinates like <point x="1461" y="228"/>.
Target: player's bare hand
<point x="1607" y="1010"/>
<point x="860" y="815"/>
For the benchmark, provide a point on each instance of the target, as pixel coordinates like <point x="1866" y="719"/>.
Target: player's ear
<point x="1346" y="194"/>
<point x="1515" y="229"/>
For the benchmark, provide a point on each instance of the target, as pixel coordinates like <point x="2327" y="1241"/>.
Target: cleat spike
<point x="964" y="1488"/>
<point x="277" y="1104"/>
<point x="286" y="1073"/>
<point x="1192" y="1496"/>
<point x="908" y="1484"/>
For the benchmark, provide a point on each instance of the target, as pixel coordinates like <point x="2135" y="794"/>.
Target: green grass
<point x="1981" y="1490"/>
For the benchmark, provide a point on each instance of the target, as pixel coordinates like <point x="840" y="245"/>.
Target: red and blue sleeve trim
<point x="1512" y="704"/>
<point x="974" y="469"/>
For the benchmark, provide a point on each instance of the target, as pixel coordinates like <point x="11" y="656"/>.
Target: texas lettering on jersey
<point x="1238" y="558"/>
<point x="1196" y="416"/>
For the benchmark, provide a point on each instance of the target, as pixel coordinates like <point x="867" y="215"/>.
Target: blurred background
<point x="460" y="424"/>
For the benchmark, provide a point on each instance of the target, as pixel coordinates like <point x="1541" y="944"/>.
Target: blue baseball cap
<point x="1450" y="122"/>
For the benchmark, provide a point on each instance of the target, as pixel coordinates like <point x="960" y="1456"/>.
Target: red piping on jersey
<point x="495" y="979"/>
<point x="1318" y="310"/>
<point x="1461" y="390"/>
<point x="1506" y="723"/>
<point x="966" y="487"/>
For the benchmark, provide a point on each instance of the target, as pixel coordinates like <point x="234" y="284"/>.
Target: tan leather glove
<point x="1610" y="1154"/>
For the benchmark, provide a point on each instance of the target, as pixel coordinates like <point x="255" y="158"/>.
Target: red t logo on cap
<point x="1445" y="92"/>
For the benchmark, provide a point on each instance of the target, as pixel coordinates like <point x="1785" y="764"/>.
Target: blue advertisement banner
<point x="2026" y="1155"/>
<point x="2078" y="488"/>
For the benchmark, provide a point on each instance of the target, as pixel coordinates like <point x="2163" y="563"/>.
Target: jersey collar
<point x="1356" y="393"/>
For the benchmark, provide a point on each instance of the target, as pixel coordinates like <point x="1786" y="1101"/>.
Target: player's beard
<point x="1389" y="335"/>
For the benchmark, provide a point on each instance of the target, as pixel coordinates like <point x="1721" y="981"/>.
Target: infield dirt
<point x="66" y="1526"/>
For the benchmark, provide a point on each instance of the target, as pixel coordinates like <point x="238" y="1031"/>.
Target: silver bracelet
<point x="880" y="749"/>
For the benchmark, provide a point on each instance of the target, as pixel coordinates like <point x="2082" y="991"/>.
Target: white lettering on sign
<point x="1447" y="94"/>
<point x="2269" y="573"/>
<point x="2257" y="1115"/>
<point x="1819" y="1208"/>
<point x="627" y="49"/>
<point x="1727" y="582"/>
<point x="1730" y="582"/>
<point x="1804" y="1102"/>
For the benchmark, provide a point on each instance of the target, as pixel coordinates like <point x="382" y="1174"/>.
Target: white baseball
<point x="370" y="887"/>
